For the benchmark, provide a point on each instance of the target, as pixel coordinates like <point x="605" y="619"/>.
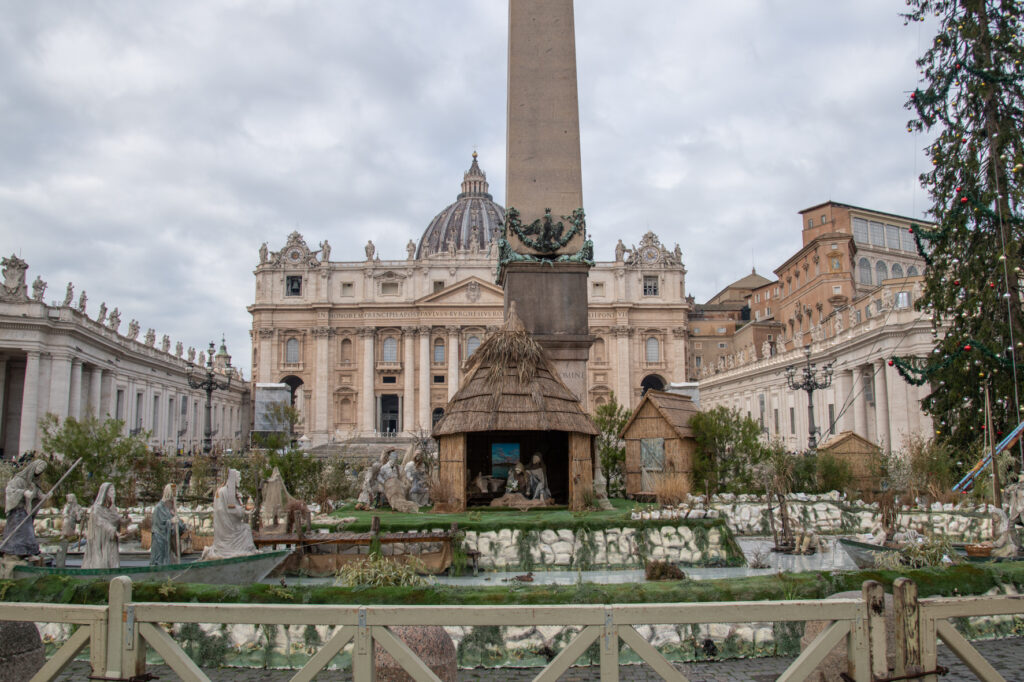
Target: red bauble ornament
<point x="956" y="282"/>
<point x="913" y="95"/>
<point x="911" y="230"/>
<point x="991" y="285"/>
<point x="963" y="200"/>
<point x="891" y="363"/>
<point x="959" y="189"/>
<point x="967" y="346"/>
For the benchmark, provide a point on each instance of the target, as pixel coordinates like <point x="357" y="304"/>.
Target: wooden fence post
<point x="907" y="626"/>
<point x="874" y="598"/>
<point x="120" y="594"/>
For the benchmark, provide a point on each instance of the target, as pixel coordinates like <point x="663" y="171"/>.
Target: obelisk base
<point x="551" y="300"/>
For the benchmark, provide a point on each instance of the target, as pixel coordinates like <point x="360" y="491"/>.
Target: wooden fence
<point x="119" y="633"/>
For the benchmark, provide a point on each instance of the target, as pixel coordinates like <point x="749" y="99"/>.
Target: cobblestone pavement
<point x="1006" y="655"/>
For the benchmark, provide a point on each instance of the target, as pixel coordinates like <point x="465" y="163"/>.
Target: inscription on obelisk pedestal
<point x="544" y="195"/>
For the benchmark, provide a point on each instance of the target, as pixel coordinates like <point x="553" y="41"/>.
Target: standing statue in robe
<point x="275" y="498"/>
<point x="104" y="522"/>
<point x="23" y="492"/>
<point x="72" y="514"/>
<point x="232" y="535"/>
<point x="168" y="529"/>
<point x="538" y="479"/>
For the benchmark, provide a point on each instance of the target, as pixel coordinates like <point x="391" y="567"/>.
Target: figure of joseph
<point x="164" y="547"/>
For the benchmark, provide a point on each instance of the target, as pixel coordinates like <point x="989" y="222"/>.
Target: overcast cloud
<point x="147" y="149"/>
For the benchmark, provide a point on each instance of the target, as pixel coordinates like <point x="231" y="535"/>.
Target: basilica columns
<point x="29" y="404"/>
<point x="75" y="405"/>
<point x="424" y="377"/>
<point x="408" y="380"/>
<point x="845" y="399"/>
<point x="453" y="361"/>
<point x="95" y="392"/>
<point x="322" y="336"/>
<point x="882" y="405"/>
<point x="367" y="399"/>
<point x="860" y="407"/>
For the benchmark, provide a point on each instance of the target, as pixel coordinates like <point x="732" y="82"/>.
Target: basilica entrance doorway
<point x="389" y="411"/>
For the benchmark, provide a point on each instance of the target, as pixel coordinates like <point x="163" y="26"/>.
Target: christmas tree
<point x="972" y="101"/>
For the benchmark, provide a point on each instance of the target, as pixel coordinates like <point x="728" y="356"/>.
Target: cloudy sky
<point x="147" y="149"/>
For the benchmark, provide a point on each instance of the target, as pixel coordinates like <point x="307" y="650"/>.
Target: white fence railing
<point x="119" y="633"/>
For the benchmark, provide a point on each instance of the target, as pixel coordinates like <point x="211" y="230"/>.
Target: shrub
<point x="833" y="473"/>
<point x="728" y="449"/>
<point x="380" y="571"/>
<point x="610" y="418"/>
<point x="663" y="570"/>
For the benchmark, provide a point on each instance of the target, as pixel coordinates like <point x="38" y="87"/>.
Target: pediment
<point x="472" y="290"/>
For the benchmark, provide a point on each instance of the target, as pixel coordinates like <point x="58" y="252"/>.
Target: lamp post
<point x="809" y="380"/>
<point x="207" y="381"/>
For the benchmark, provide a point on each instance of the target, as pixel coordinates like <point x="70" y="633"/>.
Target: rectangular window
<point x="836" y="290"/>
<point x="438" y="353"/>
<point x="389" y="288"/>
<point x="650" y="285"/>
<point x="892" y="236"/>
<point x="438" y="378"/>
<point x="389" y="380"/>
<point x="438" y="285"/>
<point x="155" y="426"/>
<point x="903" y="299"/>
<point x="776" y="411"/>
<point x="170" y="417"/>
<point x="831" y="418"/>
<point x="767" y="295"/>
<point x="698" y="346"/>
<point x="598" y="288"/>
<point x="348" y="289"/>
<point x="860" y="230"/>
<point x="869" y="389"/>
<point x="652" y="454"/>
<point x="720" y="330"/>
<point x="119" y="409"/>
<point x="792" y="420"/>
<point x="877" y="234"/>
<point x="698" y="361"/>
<point x="138" y="410"/>
<point x="293" y="285"/>
<point x="696" y="331"/>
<point x="907" y="241"/>
<point x="722" y="345"/>
<point x="767" y="311"/>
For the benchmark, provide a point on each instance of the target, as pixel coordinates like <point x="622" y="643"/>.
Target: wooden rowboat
<point x="865" y="555"/>
<point x="241" y="570"/>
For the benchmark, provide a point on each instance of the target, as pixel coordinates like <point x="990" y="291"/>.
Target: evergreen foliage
<point x="728" y="449"/>
<point x="971" y="99"/>
<point x="610" y="419"/>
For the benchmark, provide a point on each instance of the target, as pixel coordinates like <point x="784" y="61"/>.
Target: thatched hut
<point x="659" y="441"/>
<point x="512" y="405"/>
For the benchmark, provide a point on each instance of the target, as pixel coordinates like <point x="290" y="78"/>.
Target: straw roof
<point x="676" y="409"/>
<point x="511" y="386"/>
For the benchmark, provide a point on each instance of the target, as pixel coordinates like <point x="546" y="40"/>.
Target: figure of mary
<point x="104" y="520"/>
<point x="232" y="535"/>
<point x="22" y="493"/>
<point x="165" y="521"/>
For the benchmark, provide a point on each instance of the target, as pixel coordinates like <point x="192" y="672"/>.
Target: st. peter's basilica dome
<point x="469" y="224"/>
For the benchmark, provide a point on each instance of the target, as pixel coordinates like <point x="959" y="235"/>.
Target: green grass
<point x="487" y="519"/>
<point x="956" y="580"/>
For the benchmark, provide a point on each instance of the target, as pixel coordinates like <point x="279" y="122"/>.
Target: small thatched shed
<point x="512" y="405"/>
<point x="860" y="453"/>
<point x="659" y="441"/>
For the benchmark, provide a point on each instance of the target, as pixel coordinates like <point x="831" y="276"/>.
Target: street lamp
<point x="207" y="381"/>
<point x="809" y="381"/>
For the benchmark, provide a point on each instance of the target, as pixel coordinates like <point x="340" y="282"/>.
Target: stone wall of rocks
<point x="831" y="514"/>
<point x="623" y="547"/>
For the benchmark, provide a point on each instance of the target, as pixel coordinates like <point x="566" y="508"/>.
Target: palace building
<point x="374" y="349"/>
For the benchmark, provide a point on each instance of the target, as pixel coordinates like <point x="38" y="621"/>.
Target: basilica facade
<point x="375" y="348"/>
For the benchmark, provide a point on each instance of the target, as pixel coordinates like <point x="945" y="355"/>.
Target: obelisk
<point x="544" y="256"/>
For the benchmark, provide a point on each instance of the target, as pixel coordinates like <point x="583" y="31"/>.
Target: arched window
<point x="438" y="351"/>
<point x="652" y="351"/>
<point x="652" y="381"/>
<point x="389" y="350"/>
<point x="864" y="270"/>
<point x="346" y="351"/>
<point x="912" y="271"/>
<point x="436" y="415"/>
<point x="472" y="343"/>
<point x="291" y="350"/>
<point x="881" y="272"/>
<point x="897" y="271"/>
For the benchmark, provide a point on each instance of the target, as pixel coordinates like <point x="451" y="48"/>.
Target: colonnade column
<point x="366" y="395"/>
<point x="75" y="405"/>
<point x="844" y="400"/>
<point x="409" y="380"/>
<point x="3" y="392"/>
<point x="424" y="404"/>
<point x="60" y="383"/>
<point x="679" y="343"/>
<point x="29" y="404"/>
<point x="622" y="383"/>
<point x="860" y="408"/>
<point x="453" y="360"/>
<point x="882" y="405"/>
<point x="95" y="391"/>
<point x="322" y="379"/>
